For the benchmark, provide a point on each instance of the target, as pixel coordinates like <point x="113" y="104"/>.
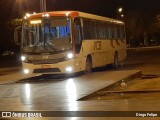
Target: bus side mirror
<point x="18" y="35"/>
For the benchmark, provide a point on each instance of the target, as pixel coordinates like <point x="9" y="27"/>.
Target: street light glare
<point x="120" y="10"/>
<point x="122" y="15"/>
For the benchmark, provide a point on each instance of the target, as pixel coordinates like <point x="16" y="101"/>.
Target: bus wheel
<point x="116" y="61"/>
<point x="88" y="66"/>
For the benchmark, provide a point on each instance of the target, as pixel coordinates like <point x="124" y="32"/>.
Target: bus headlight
<point x="23" y="58"/>
<point x="69" y="69"/>
<point x="26" y="71"/>
<point x="70" y="55"/>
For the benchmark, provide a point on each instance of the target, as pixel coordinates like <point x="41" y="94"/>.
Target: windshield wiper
<point x="52" y="46"/>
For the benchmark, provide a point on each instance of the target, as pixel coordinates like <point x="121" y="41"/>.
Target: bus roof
<point x="75" y="14"/>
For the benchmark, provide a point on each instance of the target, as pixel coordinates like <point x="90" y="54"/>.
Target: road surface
<point x="41" y="95"/>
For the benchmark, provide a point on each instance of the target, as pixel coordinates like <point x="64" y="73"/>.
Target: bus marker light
<point x="67" y="14"/>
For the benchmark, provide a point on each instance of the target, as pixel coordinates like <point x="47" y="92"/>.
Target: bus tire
<point x="116" y="61"/>
<point x="88" y="66"/>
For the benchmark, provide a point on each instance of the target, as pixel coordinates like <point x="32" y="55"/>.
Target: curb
<point x="143" y="48"/>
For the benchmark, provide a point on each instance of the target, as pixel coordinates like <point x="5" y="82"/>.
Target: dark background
<point x="108" y="7"/>
<point x="16" y="8"/>
<point x="140" y="16"/>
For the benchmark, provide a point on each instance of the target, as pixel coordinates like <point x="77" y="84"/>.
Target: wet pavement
<point x="64" y="94"/>
<point x="60" y="94"/>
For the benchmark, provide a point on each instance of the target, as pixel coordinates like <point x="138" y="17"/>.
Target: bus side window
<point x="110" y="33"/>
<point x="77" y="34"/>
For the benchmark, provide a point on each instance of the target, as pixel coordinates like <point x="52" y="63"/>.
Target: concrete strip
<point x="10" y="69"/>
<point x="6" y="71"/>
<point x="15" y="77"/>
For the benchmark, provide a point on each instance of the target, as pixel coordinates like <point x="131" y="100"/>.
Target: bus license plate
<point x="45" y="66"/>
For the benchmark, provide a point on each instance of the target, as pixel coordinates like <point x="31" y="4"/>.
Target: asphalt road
<point x="145" y="59"/>
<point x="33" y="96"/>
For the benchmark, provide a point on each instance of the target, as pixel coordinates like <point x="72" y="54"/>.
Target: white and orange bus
<point x="70" y="41"/>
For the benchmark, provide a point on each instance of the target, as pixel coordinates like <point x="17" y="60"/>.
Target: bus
<point x="70" y="41"/>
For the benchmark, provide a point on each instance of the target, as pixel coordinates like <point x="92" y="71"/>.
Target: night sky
<point x="10" y="9"/>
<point x="16" y="8"/>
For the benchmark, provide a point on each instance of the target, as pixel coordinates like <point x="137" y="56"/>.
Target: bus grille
<point x="45" y="70"/>
<point x="45" y="61"/>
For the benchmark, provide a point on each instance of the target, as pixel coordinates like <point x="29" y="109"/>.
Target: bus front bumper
<point x="66" y="67"/>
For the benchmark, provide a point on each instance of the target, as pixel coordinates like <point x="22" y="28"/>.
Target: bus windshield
<point x="46" y="35"/>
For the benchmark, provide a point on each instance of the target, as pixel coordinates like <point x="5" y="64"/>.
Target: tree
<point x="11" y="25"/>
<point x="7" y="38"/>
<point x="155" y="29"/>
<point x="138" y="25"/>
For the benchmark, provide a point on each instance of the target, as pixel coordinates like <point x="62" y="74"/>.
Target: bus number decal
<point x="97" y="45"/>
